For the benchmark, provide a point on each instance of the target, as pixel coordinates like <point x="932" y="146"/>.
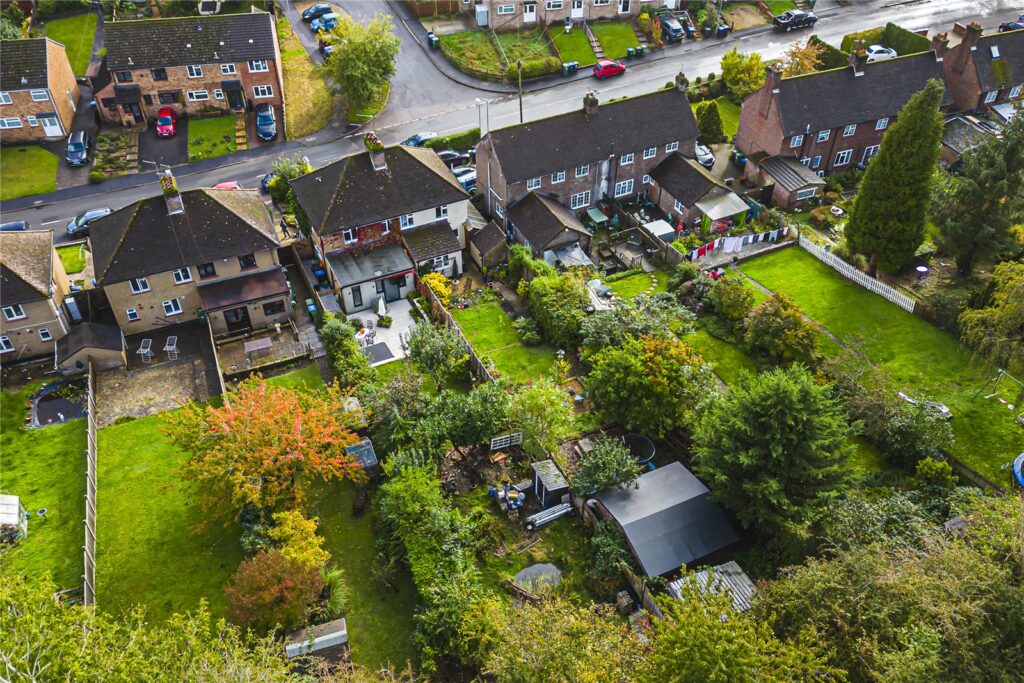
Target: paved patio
<point x="390" y="338"/>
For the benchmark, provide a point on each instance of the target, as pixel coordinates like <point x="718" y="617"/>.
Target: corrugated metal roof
<point x="719" y="579"/>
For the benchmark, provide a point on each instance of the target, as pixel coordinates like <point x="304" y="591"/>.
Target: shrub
<point x="528" y="331"/>
<point x="932" y="472"/>
<point x="440" y="286"/>
<point x="532" y="68"/>
<point x="777" y="328"/>
<point x="461" y="141"/>
<point x="522" y="264"/>
<point x="709" y="122"/>
<point x="271" y="590"/>
<point x="731" y="299"/>
<point x="913" y="433"/>
<point x="686" y="272"/>
<point x="556" y="303"/>
<point x="439" y="351"/>
<point x="96" y="177"/>
<point x="384" y="321"/>
<point x="350" y="366"/>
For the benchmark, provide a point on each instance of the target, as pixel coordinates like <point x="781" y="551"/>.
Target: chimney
<point x="169" y="187"/>
<point x="971" y="34"/>
<point x="772" y="81"/>
<point x="590" y="103"/>
<point x="940" y="43"/>
<point x="858" y="56"/>
<point x="376" y="150"/>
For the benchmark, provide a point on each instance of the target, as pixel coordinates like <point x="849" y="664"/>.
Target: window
<point x="806" y="161"/>
<point x="806" y="193"/>
<point x="533" y="183"/>
<point x="990" y="96"/>
<point x="124" y="76"/>
<point x="44" y="334"/>
<point x="139" y="285"/>
<point x="206" y="270"/>
<point x="849" y="130"/>
<point x="882" y="123"/>
<point x="172" y="307"/>
<point x="843" y="157"/>
<point x="5" y="98"/>
<point x="273" y="308"/>
<point x="198" y="95"/>
<point x="182" y="275"/>
<point x="14" y="312"/>
<point x="623" y="188"/>
<point x="133" y="315"/>
<point x="583" y="171"/>
<point x="870" y="152"/>
<point x="646" y="180"/>
<point x="158" y="74"/>
<point x="348" y="235"/>
<point x="32" y="121"/>
<point x="10" y="122"/>
<point x="579" y="200"/>
<point x="109" y="102"/>
<point x="195" y="71"/>
<point x="602" y="2"/>
<point x="796" y="141"/>
<point x="1014" y="91"/>
<point x="678" y="207"/>
<point x="357" y="296"/>
<point x="407" y="221"/>
<point x="506" y="9"/>
<point x="441" y="211"/>
<point x="262" y="91"/>
<point x="500" y="210"/>
<point x="147" y="99"/>
<point x="557" y="177"/>
<point x="441" y="261"/>
<point x="168" y="96"/>
<point x="227" y="70"/>
<point x="823" y="135"/>
<point x="817" y="162"/>
<point x="247" y="261"/>
<point x="257" y="65"/>
<point x="218" y="94"/>
<point x="626" y="159"/>
<point x="671" y="147"/>
<point x="40" y="96"/>
<point x="650" y="152"/>
<point x="553" y="4"/>
<point x="379" y="285"/>
<point x="5" y="345"/>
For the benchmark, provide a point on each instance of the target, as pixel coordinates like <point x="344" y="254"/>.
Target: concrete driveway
<point x="165" y="151"/>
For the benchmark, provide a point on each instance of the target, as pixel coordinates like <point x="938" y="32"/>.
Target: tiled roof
<point x="488" y="237"/>
<point x="180" y="41"/>
<point x="23" y="64"/>
<point x="790" y="173"/>
<point x="568" y="140"/>
<point x="432" y="240"/>
<point x="92" y="335"/>
<point x="26" y="266"/>
<point x="960" y="135"/>
<point x="1005" y="70"/>
<point x="540" y="219"/>
<point x="142" y="239"/>
<point x="683" y="178"/>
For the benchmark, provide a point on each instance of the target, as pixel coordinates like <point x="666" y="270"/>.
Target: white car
<point x="704" y="156"/>
<point x="878" y="53"/>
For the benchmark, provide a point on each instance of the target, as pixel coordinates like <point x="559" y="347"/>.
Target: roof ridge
<point x="609" y="103"/>
<point x="205" y="17"/>
<point x="120" y="241"/>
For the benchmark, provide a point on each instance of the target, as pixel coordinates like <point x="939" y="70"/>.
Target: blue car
<point x="316" y="11"/>
<point x="325" y="23"/>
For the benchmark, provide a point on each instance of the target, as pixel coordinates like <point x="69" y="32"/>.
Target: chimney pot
<point x="940" y="43"/>
<point x="858" y="56"/>
<point x="590" y="103"/>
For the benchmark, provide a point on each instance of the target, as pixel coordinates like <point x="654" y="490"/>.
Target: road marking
<point x="59" y="220"/>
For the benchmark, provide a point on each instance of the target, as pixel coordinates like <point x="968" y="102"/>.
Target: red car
<point x="166" y="123"/>
<point x="608" y="67"/>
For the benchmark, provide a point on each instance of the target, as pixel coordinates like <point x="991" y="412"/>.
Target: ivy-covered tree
<point x="608" y="463"/>
<point x="888" y="217"/>
<point x="709" y="122"/>
<point x="777" y="327"/>
<point x="351" y="367"/>
<point x="543" y="412"/>
<point x="643" y="315"/>
<point x="743" y="73"/>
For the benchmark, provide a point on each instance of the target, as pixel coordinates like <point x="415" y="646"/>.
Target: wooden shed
<point x="549" y="484"/>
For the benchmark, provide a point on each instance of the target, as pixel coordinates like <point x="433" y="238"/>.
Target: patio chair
<point x="146" y="351"/>
<point x="368" y="324"/>
<point x="171" y="347"/>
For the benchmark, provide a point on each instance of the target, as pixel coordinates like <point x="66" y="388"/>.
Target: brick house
<point x="514" y="14"/>
<point x="688" y="194"/>
<point x="831" y="120"/>
<point x="378" y="217"/>
<point x="552" y="231"/>
<point x="203" y="253"/>
<point x="33" y="287"/>
<point x="983" y="71"/>
<point x="582" y="156"/>
<point x="230" y="62"/>
<point x="38" y="92"/>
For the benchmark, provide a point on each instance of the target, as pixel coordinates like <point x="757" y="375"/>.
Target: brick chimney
<point x="971" y="34"/>
<point x="858" y="57"/>
<point x="682" y="82"/>
<point x="375" y="148"/>
<point x="940" y="43"/>
<point x="590" y="103"/>
<point x="172" y="197"/>
<point x="772" y="81"/>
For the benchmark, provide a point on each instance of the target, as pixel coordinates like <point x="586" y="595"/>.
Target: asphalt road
<point x="425" y="99"/>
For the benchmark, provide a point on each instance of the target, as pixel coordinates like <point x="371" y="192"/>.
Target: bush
<point x="96" y="177"/>
<point x="384" y="321"/>
<point x="903" y="41"/>
<point x="350" y="366"/>
<point x="527" y="330"/>
<point x="532" y="68"/>
<point x="932" y="472"/>
<point x="271" y="590"/>
<point x="622" y="274"/>
<point x="556" y="303"/>
<point x="831" y="57"/>
<point x="777" y="327"/>
<point x="461" y="141"/>
<point x="440" y="286"/>
<point x="913" y="433"/>
<point x="731" y="299"/>
<point x="686" y="272"/>
<point x="522" y="264"/>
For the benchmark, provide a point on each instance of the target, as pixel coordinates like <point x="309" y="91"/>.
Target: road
<point x="424" y="99"/>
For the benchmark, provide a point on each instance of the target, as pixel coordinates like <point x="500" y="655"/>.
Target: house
<point x="793" y="184"/>
<point x="229" y="62"/>
<point x="487" y="246"/>
<point x="961" y="133"/>
<point x="516" y="14"/>
<point x="538" y="221"/>
<point x="378" y="217"/>
<point x="728" y="577"/>
<point x="582" y="156"/>
<point x="983" y="72"/>
<point x="689" y="195"/>
<point x="831" y="120"/>
<point x="207" y="254"/>
<point x="38" y="92"/>
<point x="668" y="519"/>
<point x="33" y="287"/>
<point x="104" y="345"/>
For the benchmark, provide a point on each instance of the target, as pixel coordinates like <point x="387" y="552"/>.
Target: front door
<point x="393" y="288"/>
<point x="623" y="6"/>
<point x="233" y="89"/>
<point x="237" y="319"/>
<point x="530" y="12"/>
<point x="577" y="9"/>
<point x="136" y="111"/>
<point x="51" y="125"/>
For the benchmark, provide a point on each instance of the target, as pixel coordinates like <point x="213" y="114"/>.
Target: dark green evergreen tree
<point x="709" y="121"/>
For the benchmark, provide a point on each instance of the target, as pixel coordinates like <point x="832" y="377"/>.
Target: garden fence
<point x="866" y="281"/>
<point x="89" y="578"/>
<point x="438" y="309"/>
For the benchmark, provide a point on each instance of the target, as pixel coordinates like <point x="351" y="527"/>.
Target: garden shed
<point x="363" y="453"/>
<point x="549" y="484"/>
<point x="13" y="518"/>
<point x="329" y="641"/>
<point x="719" y="579"/>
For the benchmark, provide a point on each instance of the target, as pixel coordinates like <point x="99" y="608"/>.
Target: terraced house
<point x="38" y="92"/>
<point x="229" y="62"/>
<point x="984" y="72"/>
<point x="509" y="14"/>
<point x="33" y="287"/>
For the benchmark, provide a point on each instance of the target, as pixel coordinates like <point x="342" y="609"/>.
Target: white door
<point x="577" y="9"/>
<point x="51" y="125"/>
<point x="530" y="13"/>
<point x="623" y="6"/>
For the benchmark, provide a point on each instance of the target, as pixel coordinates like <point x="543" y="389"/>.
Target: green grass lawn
<point x="574" y="47"/>
<point x="638" y="283"/>
<point x="491" y="333"/>
<point x="208" y="138"/>
<point x="76" y="35"/>
<point x="779" y="6"/>
<point x="472" y="52"/>
<point x="310" y="103"/>
<point x="306" y="377"/>
<point x="730" y="113"/>
<point x="46" y="468"/>
<point x="26" y="171"/>
<point x="361" y="112"/>
<point x="72" y="257"/>
<point x="920" y="359"/>
<point x="728" y="361"/>
<point x="525" y="45"/>
<point x="614" y="37"/>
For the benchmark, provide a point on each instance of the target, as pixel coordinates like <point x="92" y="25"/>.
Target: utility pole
<point x="519" y="65"/>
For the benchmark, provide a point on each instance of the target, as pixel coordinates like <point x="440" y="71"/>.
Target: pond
<point x="57" y="403"/>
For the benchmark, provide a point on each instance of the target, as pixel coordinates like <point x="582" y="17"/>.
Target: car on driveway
<point x="166" y="123"/>
<point x="671" y="30"/>
<point x="266" y="121"/>
<point x="265" y="182"/>
<point x="880" y="53"/>
<point x="77" y="153"/>
<point x="79" y="225"/>
<point x="704" y="156"/>
<point x="419" y="139"/>
<point x="1012" y="25"/>
<point x="794" y="19"/>
<point x="466" y="175"/>
<point x="606" y="68"/>
<point x="316" y="11"/>
<point x="325" y="23"/>
<point x="453" y="159"/>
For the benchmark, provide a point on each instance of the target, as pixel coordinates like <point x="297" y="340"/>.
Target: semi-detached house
<point x="514" y="14"/>
<point x="984" y="72"/>
<point x="33" y="288"/>
<point x="38" y="92"/>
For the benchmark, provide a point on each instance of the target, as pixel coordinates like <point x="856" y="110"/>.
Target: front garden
<point x="76" y="35"/>
<point x="27" y="171"/>
<point x="574" y="46"/>
<point x="116" y="155"/>
<point x="615" y="38"/>
<point x="475" y="53"/>
<point x="310" y="103"/>
<point x="211" y="137"/>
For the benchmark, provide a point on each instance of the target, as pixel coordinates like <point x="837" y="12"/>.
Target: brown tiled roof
<point x="431" y="240"/>
<point x="26" y="266"/>
<point x="540" y="219"/>
<point x="23" y="64"/>
<point x="488" y="237"/>
<point x="683" y="178"/>
<point x="243" y="289"/>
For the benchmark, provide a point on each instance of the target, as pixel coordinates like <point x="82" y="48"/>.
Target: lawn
<point x="26" y="171"/>
<point x="728" y="361"/>
<point x="574" y="47"/>
<point x="638" y="283"/>
<point x="46" y="468"/>
<point x="361" y="112"/>
<point x="527" y="45"/>
<point x="72" y="257"/>
<point x="307" y="376"/>
<point x="208" y="138"/>
<point x="76" y="35"/>
<point x="779" y="6"/>
<point x="310" y="104"/>
<point x="918" y="357"/>
<point x="491" y="333"/>
<point x="614" y="37"/>
<point x="472" y="52"/>
<point x="730" y="113"/>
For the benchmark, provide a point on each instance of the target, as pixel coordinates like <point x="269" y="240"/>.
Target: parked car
<point x="939" y="409"/>
<point x="265" y="182"/>
<point x="466" y="175"/>
<point x="606" y="68"/>
<point x="879" y="53"/>
<point x="1012" y="25"/>
<point x="77" y="153"/>
<point x="229" y="185"/>
<point x="419" y="139"/>
<point x="704" y="156"/>
<point x="12" y="226"/>
<point x="79" y="225"/>
<point x="793" y="19"/>
<point x="166" y="123"/>
<point x="326" y="22"/>
<point x="316" y="11"/>
<point x="326" y="50"/>
<point x="266" y="121"/>
<point x="671" y="30"/>
<point x="453" y="159"/>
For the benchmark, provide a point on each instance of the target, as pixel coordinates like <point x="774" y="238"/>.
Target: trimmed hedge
<point x="467" y="139"/>
<point x="532" y="68"/>
<point x="831" y="56"/>
<point x="892" y="36"/>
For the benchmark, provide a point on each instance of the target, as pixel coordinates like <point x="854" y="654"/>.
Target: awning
<point x="721" y="205"/>
<point x="596" y="215"/>
<point x="661" y="229"/>
<point x="230" y="86"/>
<point x="242" y="290"/>
<point x="568" y="255"/>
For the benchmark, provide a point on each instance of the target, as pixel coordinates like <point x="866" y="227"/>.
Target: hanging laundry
<point x="774" y="235"/>
<point x="785" y="231"/>
<point x="701" y="251"/>
<point x="746" y="240"/>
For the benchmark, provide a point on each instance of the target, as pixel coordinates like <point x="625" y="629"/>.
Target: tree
<point x="801" y="57"/>
<point x="887" y="220"/>
<point x="912" y="433"/>
<point x="272" y="590"/>
<point x="395" y="409"/>
<point x="351" y="366"/>
<point x="774" y="448"/>
<point x="439" y="351"/>
<point x="996" y="331"/>
<point x="709" y="122"/>
<point x="641" y="316"/>
<point x="608" y="463"/>
<point x="287" y="169"/>
<point x="474" y="418"/>
<point x="650" y="385"/>
<point x="657" y="31"/>
<point x="297" y="539"/>
<point x="543" y="412"/>
<point x="363" y="61"/>
<point x="8" y="30"/>
<point x="743" y="74"/>
<point x="731" y="299"/>
<point x="777" y="327"/>
<point x="264" y="447"/>
<point x="556" y="302"/>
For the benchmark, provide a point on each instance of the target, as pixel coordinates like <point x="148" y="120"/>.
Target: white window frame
<point x="806" y="161"/>
<point x="850" y="130"/>
<point x="846" y="155"/>
<point x="14" y="312"/>
<point x="348" y="236"/>
<point x="650" y="152"/>
<point x="646" y="180"/>
<point x="32" y="121"/>
<point x="802" y="194"/>
<point x="580" y="200"/>
<point x="182" y="275"/>
<point x="678" y="207"/>
<point x="626" y="159"/>
<point x="583" y="171"/>
<point x="138" y="285"/>
<point x="1014" y="91"/>
<point x="824" y="135"/>
<point x="228" y="70"/>
<point x="869" y="152"/>
<point x="507" y="9"/>
<point x="882" y="123"/>
<point x="40" y="96"/>
<point x="500" y="210"/>
<point x="218" y="94"/>
<point x="557" y="177"/>
<point x="44" y="335"/>
<point x="8" y="122"/>
<point x="533" y="183"/>
<point x="132" y="314"/>
<point x="817" y="162"/>
<point x="194" y="71"/>
<point x="796" y="141"/>
<point x="198" y="96"/>
<point x="671" y="146"/>
<point x="171" y="307"/>
<point x="267" y="90"/>
<point x="5" y="97"/>
<point x="258" y="66"/>
<point x="442" y="261"/>
<point x="623" y="188"/>
<point x="407" y="221"/>
<point x="5" y="344"/>
<point x="991" y="96"/>
<point x="441" y="211"/>
<point x="553" y="4"/>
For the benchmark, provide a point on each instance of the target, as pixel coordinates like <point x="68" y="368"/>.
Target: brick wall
<point x="760" y="128"/>
<point x="59" y="93"/>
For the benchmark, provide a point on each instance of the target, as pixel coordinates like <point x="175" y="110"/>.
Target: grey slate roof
<point x="26" y="266"/>
<point x="349" y="193"/>
<point x="960" y="135"/>
<point x="92" y="335"/>
<point x="829" y="99"/>
<point x="23" y="59"/>
<point x="790" y="173"/>
<point x="141" y="239"/>
<point x="541" y="219"/>
<point x="565" y="141"/>
<point x="432" y="240"/>
<point x="352" y="268"/>
<point x="669" y="519"/>
<point x="180" y="41"/>
<point x="244" y="288"/>
<point x="488" y="237"/>
<point x="683" y="178"/>
<point x="723" y="577"/>
<point x="1010" y="46"/>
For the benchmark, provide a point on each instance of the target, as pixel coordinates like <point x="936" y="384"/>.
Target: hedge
<point x="532" y="68"/>
<point x="467" y="139"/>
<point x="831" y="57"/>
<point x="896" y="37"/>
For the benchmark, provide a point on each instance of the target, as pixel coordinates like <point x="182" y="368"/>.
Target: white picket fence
<point x="866" y="281"/>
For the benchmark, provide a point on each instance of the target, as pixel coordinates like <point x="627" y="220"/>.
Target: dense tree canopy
<point x="641" y="316"/>
<point x="608" y="463"/>
<point x="743" y="73"/>
<point x="777" y="327"/>
<point x="996" y="330"/>
<point x="543" y="413"/>
<point x="350" y="365"/>
<point x="709" y="122"/>
<point x="439" y="351"/>
<point x="802" y="57"/>
<point x="363" y="61"/>
<point x="272" y="590"/>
